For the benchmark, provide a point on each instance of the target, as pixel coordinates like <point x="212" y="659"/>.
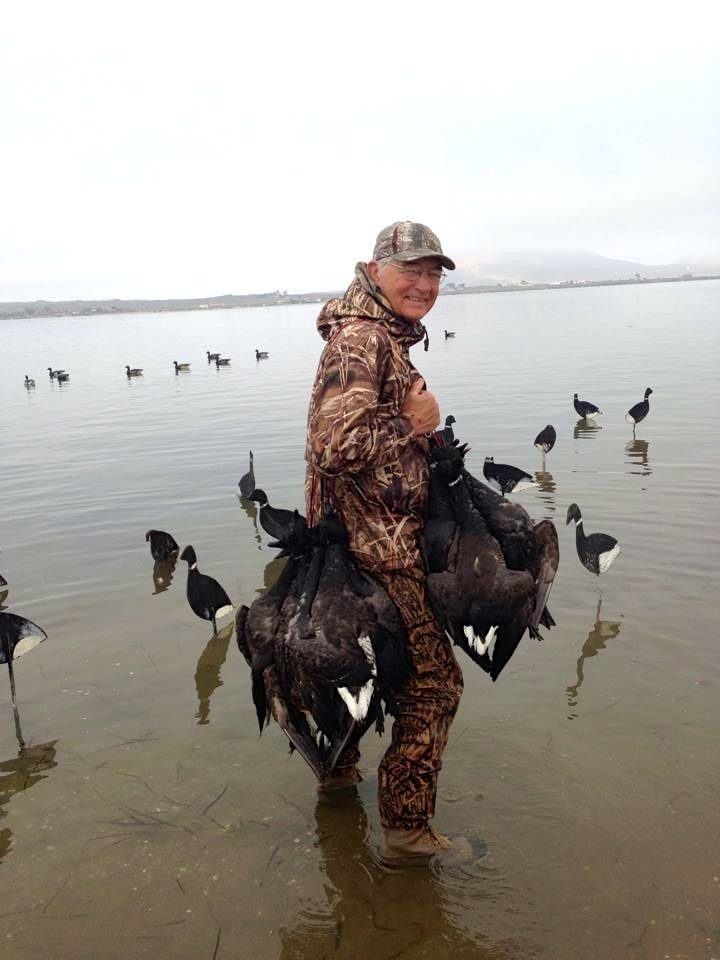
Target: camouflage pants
<point x="427" y="703"/>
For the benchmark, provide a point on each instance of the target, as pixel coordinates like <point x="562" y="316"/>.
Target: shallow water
<point x="141" y="816"/>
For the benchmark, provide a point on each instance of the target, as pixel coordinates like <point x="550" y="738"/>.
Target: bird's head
<point x="188" y="555"/>
<point x="259" y="496"/>
<point x="648" y="391"/>
<point x="447" y="462"/>
<point x="573" y="513"/>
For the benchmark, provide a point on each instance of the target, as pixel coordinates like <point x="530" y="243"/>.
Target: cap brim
<point x="421" y="252"/>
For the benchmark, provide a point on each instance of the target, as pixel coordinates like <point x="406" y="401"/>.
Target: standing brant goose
<point x="247" y="480"/>
<point x="585" y="409"/>
<point x="640" y="410"/>
<point x="206" y="597"/>
<point x="545" y="440"/>
<point x="17" y="637"/>
<point x="597" y="551"/>
<point x="505" y="478"/>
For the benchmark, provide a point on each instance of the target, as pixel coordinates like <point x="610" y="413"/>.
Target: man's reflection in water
<point x="547" y="487"/>
<point x="602" y="630"/>
<point x="249" y="508"/>
<point x="637" y="451"/>
<point x="162" y="575"/>
<point x="271" y="573"/>
<point x="207" y="672"/>
<point x="587" y="429"/>
<point x="375" y="913"/>
<point x="19" y="774"/>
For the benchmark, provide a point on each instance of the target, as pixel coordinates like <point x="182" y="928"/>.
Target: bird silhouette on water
<point x="133" y="371"/>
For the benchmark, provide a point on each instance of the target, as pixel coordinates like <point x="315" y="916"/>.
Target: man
<point x="367" y="456"/>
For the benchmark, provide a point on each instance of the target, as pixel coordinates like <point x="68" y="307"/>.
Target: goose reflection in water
<point x="547" y="486"/>
<point x="587" y="429"/>
<point x="18" y="775"/>
<point x="369" y="911"/>
<point x="162" y="574"/>
<point x="602" y="631"/>
<point x="249" y="508"/>
<point x="637" y="452"/>
<point x="207" y="672"/>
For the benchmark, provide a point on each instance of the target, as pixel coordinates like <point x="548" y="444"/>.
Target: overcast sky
<point x="152" y="149"/>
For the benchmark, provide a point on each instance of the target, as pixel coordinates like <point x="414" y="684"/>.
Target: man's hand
<point x="421" y="408"/>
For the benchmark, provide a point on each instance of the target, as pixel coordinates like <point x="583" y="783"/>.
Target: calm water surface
<point x="140" y="816"/>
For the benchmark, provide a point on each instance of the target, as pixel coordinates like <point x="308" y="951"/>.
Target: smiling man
<point x="367" y="454"/>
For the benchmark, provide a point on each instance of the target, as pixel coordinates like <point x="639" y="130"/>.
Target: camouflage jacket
<point x="361" y="459"/>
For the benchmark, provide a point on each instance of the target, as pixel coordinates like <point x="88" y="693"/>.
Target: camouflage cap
<point x="406" y="240"/>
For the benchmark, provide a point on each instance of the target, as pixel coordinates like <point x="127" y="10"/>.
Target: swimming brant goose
<point x="133" y="371"/>
<point x="162" y="545"/>
<point x="212" y="357"/>
<point x="29" y="382"/>
<point x="449" y="334"/>
<point x="180" y="366"/>
<point x="261" y="354"/>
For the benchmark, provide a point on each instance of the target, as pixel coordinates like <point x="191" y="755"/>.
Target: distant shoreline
<point x="23" y="310"/>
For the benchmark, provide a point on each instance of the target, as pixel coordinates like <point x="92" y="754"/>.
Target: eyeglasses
<point x="413" y="274"/>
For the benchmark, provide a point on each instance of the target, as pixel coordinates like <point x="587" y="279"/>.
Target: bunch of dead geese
<point x="325" y="644"/>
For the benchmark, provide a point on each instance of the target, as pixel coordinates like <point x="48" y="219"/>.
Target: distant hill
<point x="515" y="271"/>
<point x="563" y="265"/>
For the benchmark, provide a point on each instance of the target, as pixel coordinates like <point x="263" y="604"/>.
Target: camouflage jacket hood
<point x="363" y="299"/>
<point x="362" y="460"/>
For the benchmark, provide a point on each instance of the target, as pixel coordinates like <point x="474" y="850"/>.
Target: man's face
<point x="410" y="296"/>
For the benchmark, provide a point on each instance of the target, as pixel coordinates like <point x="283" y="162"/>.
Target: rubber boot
<point x="417" y="847"/>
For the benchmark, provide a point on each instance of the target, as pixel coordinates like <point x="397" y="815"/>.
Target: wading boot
<point x="339" y="782"/>
<point x="417" y="847"/>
